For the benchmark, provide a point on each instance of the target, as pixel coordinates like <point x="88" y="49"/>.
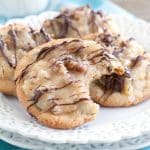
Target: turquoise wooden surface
<point x="6" y="146"/>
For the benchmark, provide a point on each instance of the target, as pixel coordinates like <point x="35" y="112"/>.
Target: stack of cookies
<point x="76" y="62"/>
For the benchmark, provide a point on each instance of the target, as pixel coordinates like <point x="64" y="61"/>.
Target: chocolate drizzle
<point x="2" y="48"/>
<point x="64" y="26"/>
<point x="46" y="36"/>
<point x="13" y="35"/>
<point x="8" y="43"/>
<point x="136" y="61"/>
<point x="78" y="101"/>
<point x="102" y="55"/>
<point x="92" y="21"/>
<point x="51" y="109"/>
<point x="38" y="93"/>
<point x="42" y="54"/>
<point x="23" y="73"/>
<point x="44" y="51"/>
<point x="75" y="29"/>
<point x="68" y="24"/>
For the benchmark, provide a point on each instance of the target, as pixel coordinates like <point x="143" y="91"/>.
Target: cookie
<point x="15" y="41"/>
<point x="120" y="90"/>
<point x="54" y="79"/>
<point x="78" y="22"/>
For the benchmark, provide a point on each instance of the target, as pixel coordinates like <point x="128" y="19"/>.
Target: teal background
<point x="96" y="4"/>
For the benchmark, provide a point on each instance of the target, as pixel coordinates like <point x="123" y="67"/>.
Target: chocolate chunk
<point x="107" y="39"/>
<point x="111" y="82"/>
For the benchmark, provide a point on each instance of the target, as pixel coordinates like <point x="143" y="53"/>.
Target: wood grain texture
<point x="140" y="8"/>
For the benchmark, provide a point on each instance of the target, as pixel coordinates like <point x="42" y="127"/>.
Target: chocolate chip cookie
<point x="15" y="41"/>
<point x="53" y="80"/>
<point x="78" y="22"/>
<point x="131" y="88"/>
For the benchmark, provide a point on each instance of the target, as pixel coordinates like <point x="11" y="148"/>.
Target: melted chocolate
<point x="112" y="82"/>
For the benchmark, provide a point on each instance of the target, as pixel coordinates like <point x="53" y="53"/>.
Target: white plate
<point x="28" y="143"/>
<point x="111" y="125"/>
